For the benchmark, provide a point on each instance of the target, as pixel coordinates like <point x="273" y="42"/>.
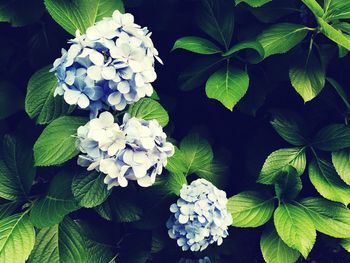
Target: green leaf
<point x="279" y="160"/>
<point x="248" y="44"/>
<point x="341" y="162"/>
<point x="98" y="241"/>
<point x="253" y="3"/>
<point x="17" y="237"/>
<point x="197" y="45"/>
<point x="16" y="12"/>
<point x="60" y="244"/>
<point x="334" y="34"/>
<point x="282" y="37"/>
<point x="59" y="201"/>
<point x="338" y="9"/>
<point x="56" y="144"/>
<point x="197" y="73"/>
<point x="332" y="219"/>
<point x="214" y="172"/>
<point x="274" y="250"/>
<point x="345" y="243"/>
<point x="295" y="228"/>
<point x="250" y="209"/>
<point x="17" y="170"/>
<point x="81" y="14"/>
<point x="333" y="137"/>
<point x="8" y="208"/>
<point x="228" y="85"/>
<point x="197" y="152"/>
<point x="40" y="102"/>
<point x="11" y="100"/>
<point x="288" y="184"/>
<point x="326" y="181"/>
<point x="176" y="164"/>
<point x="121" y="206"/>
<point x="290" y="127"/>
<point x="340" y="91"/>
<point x="171" y="184"/>
<point x="216" y="18"/>
<point x="89" y="189"/>
<point x="315" y="7"/>
<point x="308" y="77"/>
<point x="149" y="109"/>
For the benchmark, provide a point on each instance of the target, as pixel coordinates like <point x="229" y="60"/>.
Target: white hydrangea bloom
<point x="136" y="150"/>
<point x="112" y="65"/>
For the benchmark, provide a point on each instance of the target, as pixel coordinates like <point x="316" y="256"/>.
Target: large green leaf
<point x="17" y="237"/>
<point x="81" y="14"/>
<point x="40" y="102"/>
<point x="250" y="209"/>
<point x="274" y="250"/>
<point x="121" y="206"/>
<point x="216" y="18"/>
<point x="11" y="100"/>
<point x="59" y="201"/>
<point x="253" y="3"/>
<point x="282" y="37"/>
<point x="197" y="45"/>
<point x="326" y="181"/>
<point x="197" y="73"/>
<point x="16" y="11"/>
<point x="149" y="109"/>
<point x="290" y="127"/>
<point x="197" y="152"/>
<point x="332" y="219"/>
<point x="279" y="160"/>
<point x="295" y="228"/>
<point x="308" y="76"/>
<point x="56" y="144"/>
<point x="338" y="9"/>
<point x="333" y="137"/>
<point x="60" y="244"/>
<point x="334" y="34"/>
<point x="17" y="170"/>
<point x="341" y="162"/>
<point x="89" y="189"/>
<point x="288" y="184"/>
<point x="228" y="85"/>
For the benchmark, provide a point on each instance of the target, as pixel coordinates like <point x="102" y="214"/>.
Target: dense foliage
<point x="236" y="149"/>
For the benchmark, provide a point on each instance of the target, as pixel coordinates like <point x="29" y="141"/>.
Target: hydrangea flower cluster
<point x="112" y="65"/>
<point x="136" y="150"/>
<point x="200" y="216"/>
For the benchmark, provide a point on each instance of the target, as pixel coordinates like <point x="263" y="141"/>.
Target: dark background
<point x="245" y="138"/>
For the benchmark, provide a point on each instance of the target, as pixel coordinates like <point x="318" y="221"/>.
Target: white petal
<point x="71" y="96"/>
<point x="96" y="58"/>
<point x="94" y="72"/>
<point x="83" y="101"/>
<point x="108" y="73"/>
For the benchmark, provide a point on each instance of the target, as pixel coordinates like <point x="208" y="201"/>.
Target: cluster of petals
<point x="137" y="150"/>
<point x="110" y="66"/>
<point x="199" y="217"/>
